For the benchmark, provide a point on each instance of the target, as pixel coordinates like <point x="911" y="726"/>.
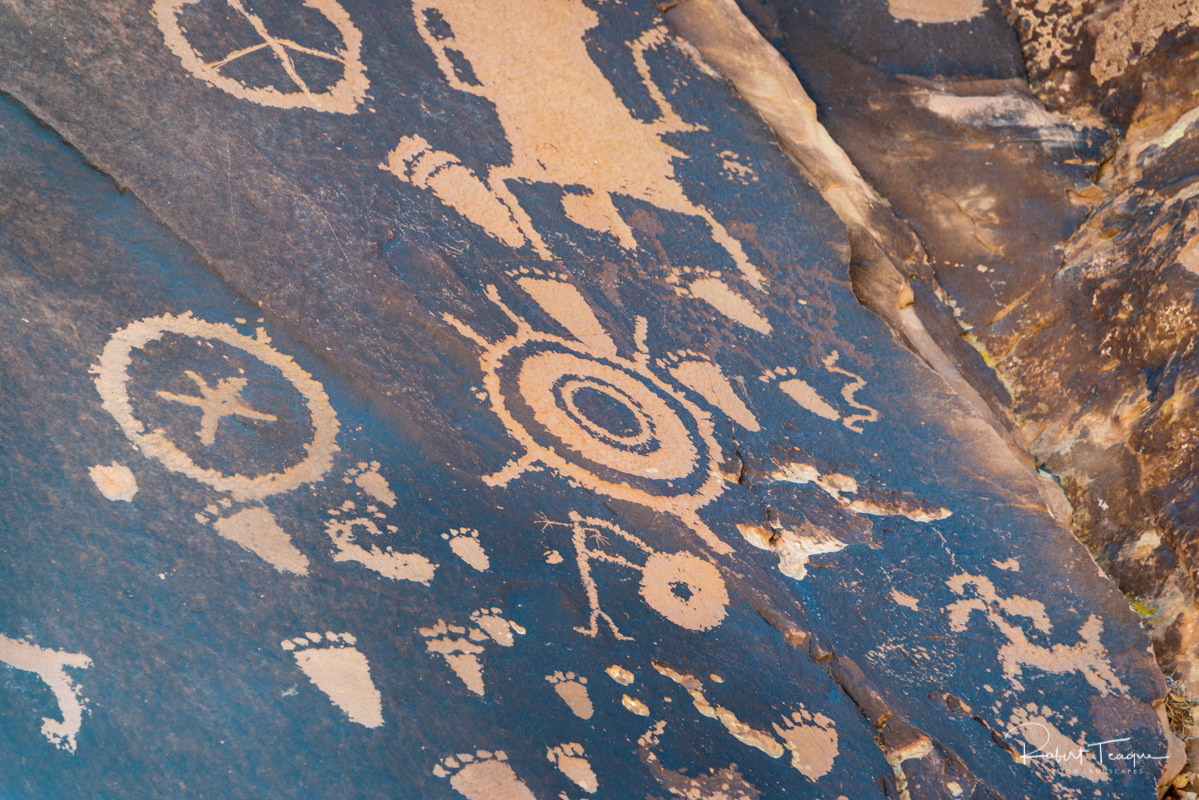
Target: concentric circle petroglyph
<point x="659" y="449"/>
<point x="685" y="589"/>
<point x="342" y="97"/>
<point x="655" y="447"/>
<point x="112" y="384"/>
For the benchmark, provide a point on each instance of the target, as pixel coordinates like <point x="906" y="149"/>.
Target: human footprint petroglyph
<point x="461" y="645"/>
<point x="339" y="670"/>
<point x="682" y="587"/>
<point x="570" y="759"/>
<point x="562" y="118"/>
<point x="711" y="287"/>
<point x="50" y="666"/>
<point x="573" y="691"/>
<point x="367" y="478"/>
<point x="256" y="530"/>
<point x="605" y="422"/>
<point x="483" y="775"/>
<point x="270" y="51"/>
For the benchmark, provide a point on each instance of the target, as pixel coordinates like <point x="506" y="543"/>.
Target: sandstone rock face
<point x="532" y="400"/>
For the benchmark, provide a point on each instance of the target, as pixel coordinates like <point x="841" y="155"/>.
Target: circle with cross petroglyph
<point x="112" y="383"/>
<point x="342" y="96"/>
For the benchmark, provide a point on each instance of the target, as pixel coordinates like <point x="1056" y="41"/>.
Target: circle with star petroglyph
<point x="607" y="423"/>
<point x="341" y="97"/>
<point x="112" y="382"/>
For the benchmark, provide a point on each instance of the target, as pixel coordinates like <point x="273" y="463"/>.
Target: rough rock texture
<point x="461" y="399"/>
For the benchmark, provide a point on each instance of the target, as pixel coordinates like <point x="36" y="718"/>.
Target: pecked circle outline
<point x="112" y="384"/>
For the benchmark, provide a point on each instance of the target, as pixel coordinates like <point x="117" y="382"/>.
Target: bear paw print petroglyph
<point x="684" y="588"/>
<point x="570" y="759"/>
<point x="711" y="287"/>
<point x="599" y="150"/>
<point x="573" y="691"/>
<point x="809" y="399"/>
<point x="344" y="531"/>
<point x="812" y="741"/>
<point x="241" y="56"/>
<point x="604" y="422"/>
<point x="367" y="478"/>
<point x="465" y="544"/>
<point x="461" y="646"/>
<point x="51" y="667"/>
<point x="483" y="775"/>
<point x="341" y="672"/>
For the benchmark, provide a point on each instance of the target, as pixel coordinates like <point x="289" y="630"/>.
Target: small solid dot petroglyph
<point x="573" y="691"/>
<point x="570" y="758"/>
<point x="50" y="666"/>
<point x="115" y="482"/>
<point x="619" y="674"/>
<point x="635" y="705"/>
<point x="337" y="668"/>
<point x="465" y="544"/>
<point x="483" y="775"/>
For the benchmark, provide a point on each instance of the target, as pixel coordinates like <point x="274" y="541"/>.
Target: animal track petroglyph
<point x="383" y="560"/>
<point x="699" y="374"/>
<point x="811" y="738"/>
<point x="461" y="646"/>
<point x="483" y="775"/>
<point x="367" y="478"/>
<point x="808" y="398"/>
<point x="465" y="544"/>
<point x="1088" y="657"/>
<point x="573" y="691"/>
<point x="572" y="761"/>
<point x="812" y="741"/>
<point x="50" y="666"/>
<point x="339" y="670"/>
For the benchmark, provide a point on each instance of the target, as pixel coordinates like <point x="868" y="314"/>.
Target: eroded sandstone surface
<point x="556" y="398"/>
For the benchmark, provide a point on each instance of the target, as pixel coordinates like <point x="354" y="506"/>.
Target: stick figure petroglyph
<point x="222" y="400"/>
<point x="562" y="117"/>
<point x="682" y="587"/>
